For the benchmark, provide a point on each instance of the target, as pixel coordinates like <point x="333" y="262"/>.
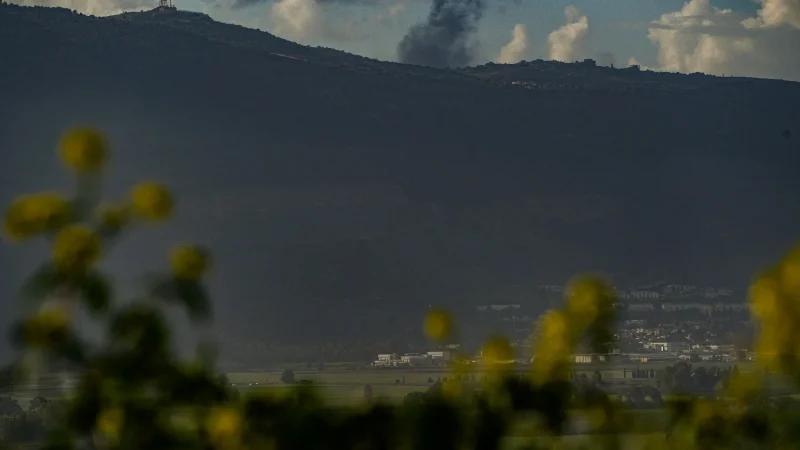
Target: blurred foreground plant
<point x="134" y="393"/>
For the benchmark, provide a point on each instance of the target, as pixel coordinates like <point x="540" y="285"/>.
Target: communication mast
<point x="165" y="4"/>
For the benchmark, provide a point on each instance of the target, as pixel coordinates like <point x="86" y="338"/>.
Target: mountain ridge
<point x="502" y="184"/>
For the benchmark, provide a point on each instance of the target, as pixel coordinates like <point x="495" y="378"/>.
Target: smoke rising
<point x="443" y="40"/>
<point x="567" y="43"/>
<point x="704" y="38"/>
<point x="515" y="50"/>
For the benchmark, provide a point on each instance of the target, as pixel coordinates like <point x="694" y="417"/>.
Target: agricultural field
<point x="393" y="384"/>
<point x="342" y="384"/>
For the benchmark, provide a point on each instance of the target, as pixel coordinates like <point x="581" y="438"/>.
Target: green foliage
<point x="287" y="376"/>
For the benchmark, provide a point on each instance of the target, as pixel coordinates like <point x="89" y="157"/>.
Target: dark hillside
<point x="344" y="194"/>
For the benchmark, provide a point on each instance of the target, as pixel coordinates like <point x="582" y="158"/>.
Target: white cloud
<point x="567" y="43"/>
<point x="295" y="18"/>
<point x="703" y="38"/>
<point x="774" y="13"/>
<point x="95" y="7"/>
<point x="396" y="9"/>
<point x="314" y="22"/>
<point x="516" y="48"/>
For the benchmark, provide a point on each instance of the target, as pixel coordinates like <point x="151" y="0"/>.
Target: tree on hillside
<point x="223" y="379"/>
<point x="287" y="376"/>
<point x="682" y="377"/>
<point x="6" y="377"/>
<point x="37" y="404"/>
<point x="597" y="378"/>
<point x="9" y="406"/>
<point x="367" y="393"/>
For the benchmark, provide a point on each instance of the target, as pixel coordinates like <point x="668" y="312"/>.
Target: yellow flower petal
<point x="30" y="215"/>
<point x="76" y="248"/>
<point x="83" y="150"/>
<point x="189" y="262"/>
<point x="152" y="201"/>
<point x="765" y="301"/>
<point x="46" y="327"/>
<point x="224" y="427"/>
<point x="113" y="217"/>
<point x="438" y="324"/>
<point x="109" y="423"/>
<point x="790" y="272"/>
<point x="589" y="297"/>
<point x="497" y="351"/>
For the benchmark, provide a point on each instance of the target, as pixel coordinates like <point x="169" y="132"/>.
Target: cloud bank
<point x="320" y="20"/>
<point x="704" y="38"/>
<point x="95" y="7"/>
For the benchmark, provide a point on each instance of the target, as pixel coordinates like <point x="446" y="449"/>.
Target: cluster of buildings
<point x="432" y="358"/>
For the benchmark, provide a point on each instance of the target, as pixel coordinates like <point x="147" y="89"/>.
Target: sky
<point x="723" y="37"/>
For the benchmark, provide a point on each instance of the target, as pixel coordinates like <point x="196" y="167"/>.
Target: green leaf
<point x="41" y="284"/>
<point x="87" y="196"/>
<point x="96" y="291"/>
<point x="16" y="334"/>
<point x="195" y="298"/>
<point x="207" y="352"/>
<point x="59" y="439"/>
<point x="73" y="350"/>
<point x="190" y="293"/>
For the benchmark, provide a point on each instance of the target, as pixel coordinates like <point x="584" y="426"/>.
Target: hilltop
<point x="347" y="194"/>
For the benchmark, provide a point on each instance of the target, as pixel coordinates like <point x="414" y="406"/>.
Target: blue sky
<point x="613" y="24"/>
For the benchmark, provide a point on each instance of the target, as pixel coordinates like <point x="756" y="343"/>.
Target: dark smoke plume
<point x="443" y="40"/>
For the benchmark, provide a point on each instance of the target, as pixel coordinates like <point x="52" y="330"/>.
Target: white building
<point x="667" y="346"/>
<point x="439" y="356"/>
<point x="386" y="359"/>
<point x="415" y="360"/>
<point x="588" y="358"/>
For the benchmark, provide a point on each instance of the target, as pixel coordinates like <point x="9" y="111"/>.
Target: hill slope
<point x="341" y="193"/>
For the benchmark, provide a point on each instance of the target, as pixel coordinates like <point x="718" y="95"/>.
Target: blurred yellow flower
<point x="224" y="427"/>
<point x="109" y="423"/>
<point x="83" y="150"/>
<point x="189" y="262"/>
<point x="438" y="324"/>
<point x="554" y="328"/>
<point x="588" y="297"/>
<point x="555" y="342"/>
<point x="46" y="326"/>
<point x="765" y="301"/>
<point x="704" y="410"/>
<point x="596" y="417"/>
<point x="76" y="248"/>
<point x="790" y="272"/>
<point x="152" y="201"/>
<point x="30" y="215"/>
<point x="497" y="350"/>
<point x="453" y="388"/>
<point x="113" y="217"/>
<point x="181" y="420"/>
<point x="745" y="387"/>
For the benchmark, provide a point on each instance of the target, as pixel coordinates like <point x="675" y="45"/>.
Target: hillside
<point x="345" y="194"/>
